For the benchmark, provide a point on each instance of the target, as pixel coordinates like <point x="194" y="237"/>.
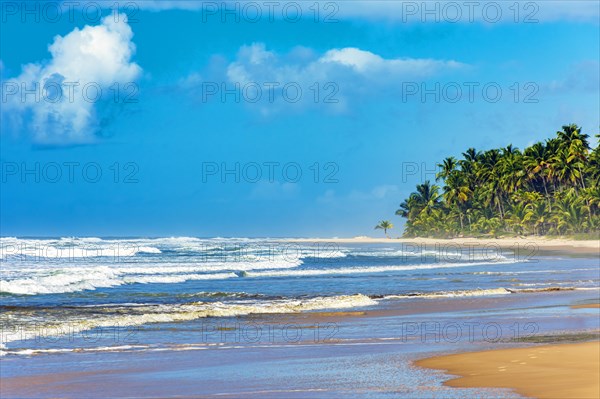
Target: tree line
<point x="549" y="188"/>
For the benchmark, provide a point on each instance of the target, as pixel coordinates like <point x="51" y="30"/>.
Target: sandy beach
<point x="532" y="245"/>
<point x="549" y="371"/>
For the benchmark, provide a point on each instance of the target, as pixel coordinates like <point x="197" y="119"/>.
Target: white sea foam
<point x="51" y="280"/>
<point x="363" y="270"/>
<point x="208" y="267"/>
<point x="144" y="260"/>
<point x="163" y="313"/>
<point x="54" y="252"/>
<point x="453" y="294"/>
<point x="62" y="281"/>
<point x="47" y="279"/>
<point x="30" y="352"/>
<point x="180" y="278"/>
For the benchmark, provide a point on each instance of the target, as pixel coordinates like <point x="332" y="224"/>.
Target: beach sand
<point x="550" y="371"/>
<point x="529" y="245"/>
<point x="587" y="306"/>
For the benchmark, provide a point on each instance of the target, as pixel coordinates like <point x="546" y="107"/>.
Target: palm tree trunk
<point x="582" y="179"/>
<point x="500" y="206"/>
<point x="547" y="196"/>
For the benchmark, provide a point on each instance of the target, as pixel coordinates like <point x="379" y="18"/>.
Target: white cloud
<point x="255" y="61"/>
<point x="367" y="62"/>
<point x="330" y="80"/>
<point x="94" y="58"/>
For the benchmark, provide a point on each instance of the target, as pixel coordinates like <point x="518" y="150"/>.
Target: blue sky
<point x="360" y="132"/>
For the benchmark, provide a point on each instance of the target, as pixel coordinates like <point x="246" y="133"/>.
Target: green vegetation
<point x="384" y="225"/>
<point x="550" y="188"/>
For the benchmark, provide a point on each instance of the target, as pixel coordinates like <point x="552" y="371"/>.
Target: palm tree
<point x="512" y="172"/>
<point x="591" y="197"/>
<point x="537" y="215"/>
<point x="471" y="155"/>
<point x="456" y="195"/>
<point x="384" y="225"/>
<point x="567" y="169"/>
<point x="572" y="133"/>
<point x="578" y="153"/>
<point x="447" y="167"/>
<point x="519" y="217"/>
<point x="470" y="165"/>
<point x="593" y="168"/>
<point x="427" y="197"/>
<point x="537" y="161"/>
<point x="490" y="177"/>
<point x="568" y="214"/>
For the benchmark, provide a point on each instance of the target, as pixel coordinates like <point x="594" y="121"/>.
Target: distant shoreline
<point x="533" y="244"/>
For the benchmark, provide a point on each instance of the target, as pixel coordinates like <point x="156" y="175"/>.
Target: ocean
<point x="112" y="294"/>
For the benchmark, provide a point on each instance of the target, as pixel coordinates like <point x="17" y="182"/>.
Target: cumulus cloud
<point x="255" y="61"/>
<point x="366" y="62"/>
<point x="55" y="101"/>
<point x="304" y="78"/>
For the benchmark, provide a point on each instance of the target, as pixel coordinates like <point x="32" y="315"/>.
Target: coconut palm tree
<point x="447" y="167"/>
<point x="427" y="196"/>
<point x="569" y="213"/>
<point x="536" y="162"/>
<point x="384" y="225"/>
<point x="570" y="134"/>
<point x="567" y="169"/>
<point x="456" y="195"/>
<point x="519" y="217"/>
<point x="537" y="216"/>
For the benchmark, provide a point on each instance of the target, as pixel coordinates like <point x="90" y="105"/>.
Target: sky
<point x="270" y="119"/>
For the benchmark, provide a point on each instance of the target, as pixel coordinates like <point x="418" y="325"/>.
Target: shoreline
<point x="409" y="315"/>
<point x="531" y="245"/>
<point x="334" y="337"/>
<point x="542" y="371"/>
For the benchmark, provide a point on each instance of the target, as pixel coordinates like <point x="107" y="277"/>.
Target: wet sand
<point x="549" y="371"/>
<point x="530" y="245"/>
<point x="587" y="306"/>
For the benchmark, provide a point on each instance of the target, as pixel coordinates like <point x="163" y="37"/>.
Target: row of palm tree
<point x="550" y="188"/>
